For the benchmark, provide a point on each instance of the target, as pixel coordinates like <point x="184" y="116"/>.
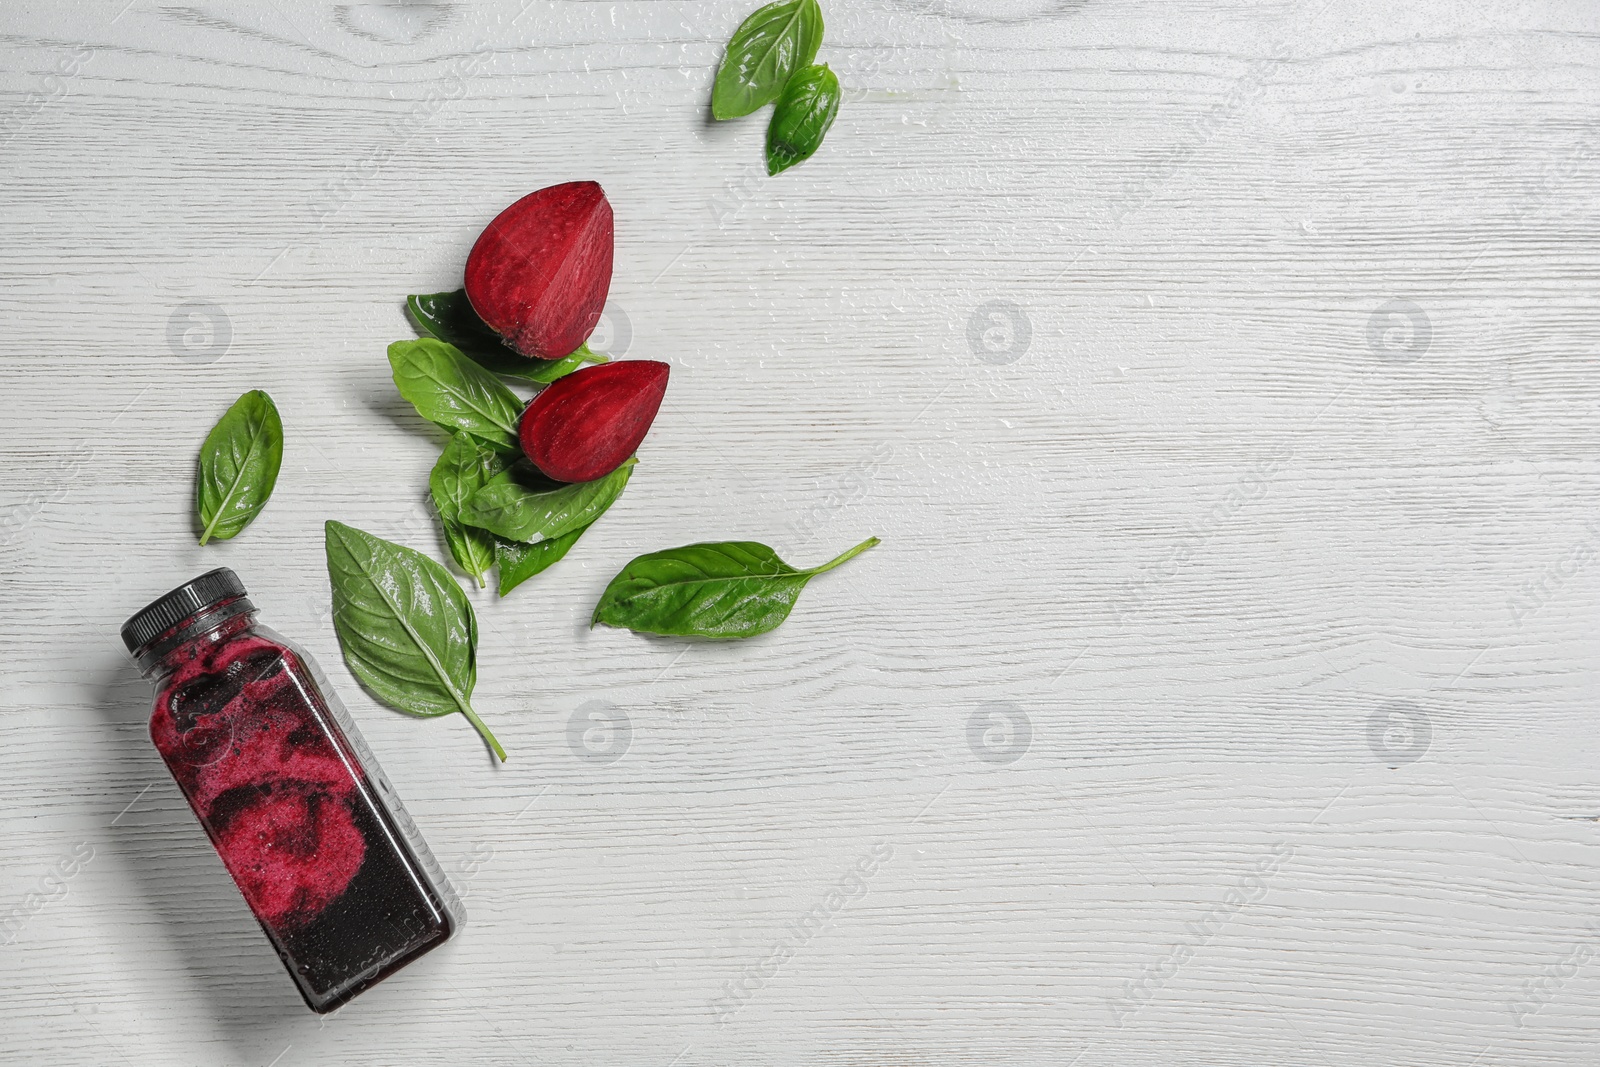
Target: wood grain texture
<point x="1220" y="376"/>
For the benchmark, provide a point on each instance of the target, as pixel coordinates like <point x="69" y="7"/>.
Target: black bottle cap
<point x="163" y="613"/>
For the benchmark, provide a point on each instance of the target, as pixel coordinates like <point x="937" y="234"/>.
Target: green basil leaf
<point x="449" y="389"/>
<point x="406" y="628"/>
<point x="519" y="562"/>
<point x="450" y="318"/>
<point x="724" y="590"/>
<point x="239" y="464"/>
<point x="463" y="468"/>
<point x="767" y="48"/>
<point x="522" y="505"/>
<point x="804" y="112"/>
<point x="545" y="371"/>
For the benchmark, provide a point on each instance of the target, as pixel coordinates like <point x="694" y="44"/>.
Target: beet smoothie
<point x="321" y="848"/>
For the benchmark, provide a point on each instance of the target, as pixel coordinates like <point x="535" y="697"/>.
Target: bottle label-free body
<point x="292" y="800"/>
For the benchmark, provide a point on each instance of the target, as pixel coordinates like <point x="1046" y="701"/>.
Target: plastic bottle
<point x="313" y="834"/>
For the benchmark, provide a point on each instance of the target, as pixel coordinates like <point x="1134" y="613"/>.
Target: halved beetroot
<point x="583" y="426"/>
<point x="539" y="273"/>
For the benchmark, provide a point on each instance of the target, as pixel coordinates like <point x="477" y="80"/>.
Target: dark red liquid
<point x="244" y="728"/>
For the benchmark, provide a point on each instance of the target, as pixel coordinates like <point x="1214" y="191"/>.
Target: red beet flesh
<point x="540" y="272"/>
<point x="585" y="425"/>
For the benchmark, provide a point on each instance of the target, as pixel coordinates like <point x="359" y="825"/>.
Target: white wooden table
<point x="1221" y="377"/>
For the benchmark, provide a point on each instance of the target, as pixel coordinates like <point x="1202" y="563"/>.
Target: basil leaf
<point x="406" y="628"/>
<point x="463" y="468"/>
<point x="805" y="111"/>
<point x="449" y="389"/>
<point x="450" y="318"/>
<point x="519" y="562"/>
<point x="239" y="464"/>
<point x="523" y="505"/>
<point x="769" y="46"/>
<point x="541" y="371"/>
<point x="725" y="590"/>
